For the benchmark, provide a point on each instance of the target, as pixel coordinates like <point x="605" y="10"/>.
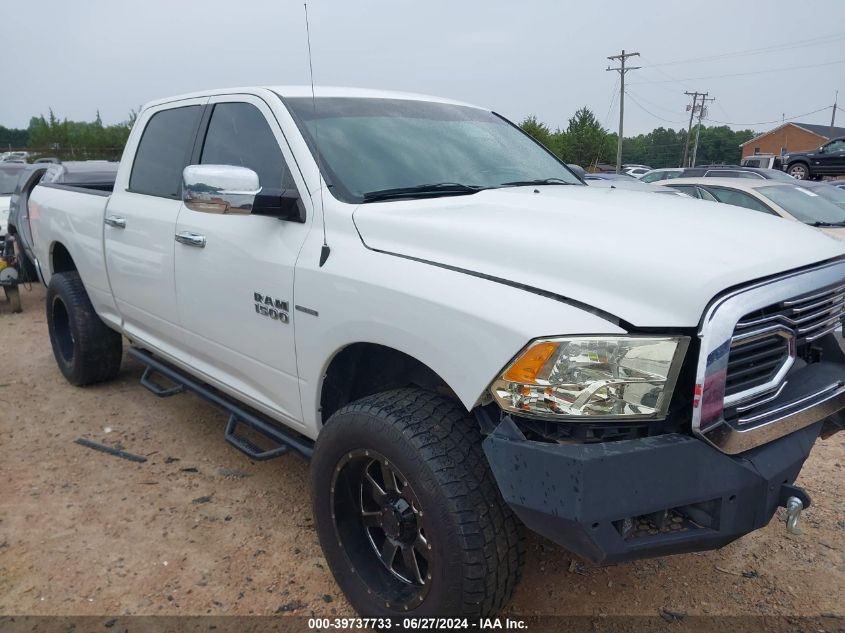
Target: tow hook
<point x="795" y="500"/>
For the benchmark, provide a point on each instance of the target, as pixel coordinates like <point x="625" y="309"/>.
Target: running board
<point x="283" y="440"/>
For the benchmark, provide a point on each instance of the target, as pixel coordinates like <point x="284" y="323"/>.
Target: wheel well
<point x="363" y="369"/>
<point x="61" y="261"/>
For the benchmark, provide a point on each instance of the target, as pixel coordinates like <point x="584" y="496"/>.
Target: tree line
<point x="69" y="140"/>
<point x="584" y="141"/>
<point x="587" y="143"/>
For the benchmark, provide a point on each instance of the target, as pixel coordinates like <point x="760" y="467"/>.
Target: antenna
<point x="324" y="252"/>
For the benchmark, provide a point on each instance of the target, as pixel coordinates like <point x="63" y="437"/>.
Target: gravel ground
<point x="199" y="529"/>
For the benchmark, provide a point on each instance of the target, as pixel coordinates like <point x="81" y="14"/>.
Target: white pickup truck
<point x="462" y="338"/>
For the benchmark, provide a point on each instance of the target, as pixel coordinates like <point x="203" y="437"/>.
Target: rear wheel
<point x="13" y="294"/>
<point x="407" y="511"/>
<point x="799" y="171"/>
<point x="86" y="349"/>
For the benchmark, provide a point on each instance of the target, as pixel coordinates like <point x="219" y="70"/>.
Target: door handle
<point x="115" y="221"/>
<point x="191" y="239"/>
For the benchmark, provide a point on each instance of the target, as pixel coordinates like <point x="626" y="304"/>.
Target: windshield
<point x="374" y="145"/>
<point x="804" y="204"/>
<point x="834" y="194"/>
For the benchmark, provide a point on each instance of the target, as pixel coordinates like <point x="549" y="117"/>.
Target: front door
<point x="235" y="292"/>
<point x="833" y="159"/>
<point x="139" y="223"/>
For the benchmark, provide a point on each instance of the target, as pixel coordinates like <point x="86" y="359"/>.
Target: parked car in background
<point x="765" y="161"/>
<point x="94" y="174"/>
<point x="621" y="181"/>
<point x="827" y="160"/>
<point x="9" y="172"/>
<point x="665" y="173"/>
<point x="717" y="171"/>
<point x="14" y="157"/>
<point x="636" y="170"/>
<point x="792" y="201"/>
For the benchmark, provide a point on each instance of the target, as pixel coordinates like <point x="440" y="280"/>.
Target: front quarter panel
<point x="463" y="327"/>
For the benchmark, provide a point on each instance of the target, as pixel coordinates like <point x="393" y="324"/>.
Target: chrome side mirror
<point x="224" y="189"/>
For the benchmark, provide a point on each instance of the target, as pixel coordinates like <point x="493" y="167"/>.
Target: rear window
<point x="164" y="151"/>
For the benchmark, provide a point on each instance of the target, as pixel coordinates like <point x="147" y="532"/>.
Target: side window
<point x="738" y="199"/>
<point x="835" y="146"/>
<point x="163" y="152"/>
<point x="238" y="134"/>
<point x="706" y="195"/>
<point x="690" y="190"/>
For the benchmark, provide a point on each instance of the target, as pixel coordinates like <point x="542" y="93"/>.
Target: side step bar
<point x="285" y="441"/>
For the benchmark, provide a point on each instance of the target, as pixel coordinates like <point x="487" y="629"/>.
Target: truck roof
<point x="305" y="91"/>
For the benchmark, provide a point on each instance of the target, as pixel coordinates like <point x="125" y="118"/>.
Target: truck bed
<point x="68" y="218"/>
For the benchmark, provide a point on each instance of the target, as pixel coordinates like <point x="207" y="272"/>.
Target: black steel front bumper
<point x="668" y="494"/>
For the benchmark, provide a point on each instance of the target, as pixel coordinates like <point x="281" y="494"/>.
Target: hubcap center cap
<point x="398" y="520"/>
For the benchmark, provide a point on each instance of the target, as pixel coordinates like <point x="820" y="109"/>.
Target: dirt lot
<point x="199" y="529"/>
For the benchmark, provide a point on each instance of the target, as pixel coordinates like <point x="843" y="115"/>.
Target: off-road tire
<point x="806" y="171"/>
<point x="87" y="351"/>
<point x="13" y="295"/>
<point x="478" y="548"/>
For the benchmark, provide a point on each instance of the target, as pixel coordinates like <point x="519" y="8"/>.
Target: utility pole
<point x="833" y="113"/>
<point x="691" y="109"/>
<point x="621" y="70"/>
<point x="702" y="111"/>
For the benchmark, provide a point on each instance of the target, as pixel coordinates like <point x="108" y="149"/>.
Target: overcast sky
<point x="546" y="57"/>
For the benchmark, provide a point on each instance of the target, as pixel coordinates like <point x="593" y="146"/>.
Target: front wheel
<point x="408" y="514"/>
<point x="799" y="171"/>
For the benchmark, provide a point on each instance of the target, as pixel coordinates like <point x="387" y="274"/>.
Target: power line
<point x="780" y="120"/>
<point x="815" y="41"/>
<point x="652" y="103"/>
<point x="644" y="109"/>
<point x="754" y="72"/>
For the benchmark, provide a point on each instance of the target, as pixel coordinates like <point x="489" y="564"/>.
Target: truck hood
<point x="837" y="232"/>
<point x="653" y="261"/>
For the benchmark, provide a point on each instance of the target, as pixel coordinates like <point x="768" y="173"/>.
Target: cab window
<point x="238" y="134"/>
<point x="835" y="146"/>
<point x="163" y="152"/>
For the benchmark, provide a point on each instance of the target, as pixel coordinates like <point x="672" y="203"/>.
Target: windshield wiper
<point x="439" y="189"/>
<point x="827" y="223"/>
<point x="539" y="181"/>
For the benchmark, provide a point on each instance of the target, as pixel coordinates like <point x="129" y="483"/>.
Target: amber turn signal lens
<point x="527" y="366"/>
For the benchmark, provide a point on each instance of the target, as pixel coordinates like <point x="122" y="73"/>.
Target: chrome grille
<point x="810" y="316"/>
<point x="766" y="342"/>
<point x="755" y="362"/>
<point x="753" y="340"/>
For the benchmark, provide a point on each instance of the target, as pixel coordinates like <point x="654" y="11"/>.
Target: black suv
<point x="827" y="160"/>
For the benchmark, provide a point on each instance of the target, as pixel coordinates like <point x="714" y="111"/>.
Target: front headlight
<point x="592" y="376"/>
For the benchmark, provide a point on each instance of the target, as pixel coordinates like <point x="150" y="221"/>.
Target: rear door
<point x="235" y="293"/>
<point x="140" y="219"/>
